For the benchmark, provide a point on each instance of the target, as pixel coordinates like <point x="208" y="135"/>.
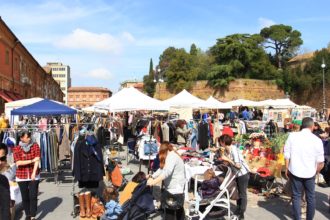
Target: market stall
<point x="130" y="99"/>
<point x="283" y="110"/>
<point x="243" y="102"/>
<point x="212" y="103"/>
<point x="183" y="103"/>
<point x="92" y="109"/>
<point x="54" y="147"/>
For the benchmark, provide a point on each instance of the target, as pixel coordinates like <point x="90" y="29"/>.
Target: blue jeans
<point x="298" y="184"/>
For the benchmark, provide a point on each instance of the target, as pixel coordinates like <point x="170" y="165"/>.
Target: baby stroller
<point x="221" y="201"/>
<point x="140" y="206"/>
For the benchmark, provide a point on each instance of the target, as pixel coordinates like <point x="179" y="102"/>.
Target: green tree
<point x="148" y="81"/>
<point x="239" y="56"/>
<point x="283" y="40"/>
<point x="193" y="50"/>
<point x="177" y="67"/>
<point x="151" y="68"/>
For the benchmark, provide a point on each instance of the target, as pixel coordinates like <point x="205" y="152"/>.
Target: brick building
<point x="80" y="97"/>
<point x="21" y="76"/>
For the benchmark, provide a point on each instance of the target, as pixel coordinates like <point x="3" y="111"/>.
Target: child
<point x="113" y="209"/>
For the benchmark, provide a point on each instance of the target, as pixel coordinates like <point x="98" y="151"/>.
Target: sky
<point x="106" y="42"/>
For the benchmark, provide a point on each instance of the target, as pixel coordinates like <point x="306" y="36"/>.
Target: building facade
<point x="132" y="83"/>
<point x="21" y="76"/>
<point x="61" y="74"/>
<point x="81" y="97"/>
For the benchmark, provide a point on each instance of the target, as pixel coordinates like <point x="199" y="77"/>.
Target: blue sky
<point x="106" y="42"/>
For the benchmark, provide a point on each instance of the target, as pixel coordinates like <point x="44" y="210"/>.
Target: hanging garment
<point x="88" y="160"/>
<point x="165" y="132"/>
<point x="203" y="138"/>
<point x="101" y="136"/>
<point x="64" y="147"/>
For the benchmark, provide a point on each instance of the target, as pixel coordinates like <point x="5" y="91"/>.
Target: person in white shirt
<point x="304" y="158"/>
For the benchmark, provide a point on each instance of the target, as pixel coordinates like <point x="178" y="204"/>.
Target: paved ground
<point x="55" y="202"/>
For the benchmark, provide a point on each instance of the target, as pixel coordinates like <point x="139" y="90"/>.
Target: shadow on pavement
<point x="283" y="209"/>
<point x="48" y="206"/>
<point x="280" y="207"/>
<point x="322" y="204"/>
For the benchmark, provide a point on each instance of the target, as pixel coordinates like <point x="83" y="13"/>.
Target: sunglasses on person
<point x="3" y="158"/>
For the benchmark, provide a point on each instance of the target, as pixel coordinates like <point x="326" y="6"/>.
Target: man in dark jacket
<point x="4" y="198"/>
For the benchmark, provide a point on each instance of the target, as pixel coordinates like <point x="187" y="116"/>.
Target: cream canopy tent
<point x="243" y="102"/>
<point x="130" y="99"/>
<point x="212" y="103"/>
<point x="185" y="100"/>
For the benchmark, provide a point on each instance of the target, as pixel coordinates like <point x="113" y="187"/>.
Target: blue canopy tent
<point x="44" y="107"/>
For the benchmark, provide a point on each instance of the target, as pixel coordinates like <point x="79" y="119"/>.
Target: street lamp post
<point x="324" y="101"/>
<point x="158" y="79"/>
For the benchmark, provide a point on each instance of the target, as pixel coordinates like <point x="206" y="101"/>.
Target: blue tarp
<point x="44" y="108"/>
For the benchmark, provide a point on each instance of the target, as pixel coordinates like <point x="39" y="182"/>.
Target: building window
<point x="7" y="57"/>
<point x="16" y="64"/>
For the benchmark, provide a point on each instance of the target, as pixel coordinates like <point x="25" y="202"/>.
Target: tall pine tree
<point x="148" y="80"/>
<point x="151" y="68"/>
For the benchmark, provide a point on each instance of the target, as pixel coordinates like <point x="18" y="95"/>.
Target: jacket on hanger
<point x="88" y="160"/>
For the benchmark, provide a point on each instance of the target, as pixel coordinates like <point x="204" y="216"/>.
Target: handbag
<point x="97" y="207"/>
<point x="172" y="201"/>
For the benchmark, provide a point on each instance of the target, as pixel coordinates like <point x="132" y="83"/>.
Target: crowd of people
<point x="306" y="151"/>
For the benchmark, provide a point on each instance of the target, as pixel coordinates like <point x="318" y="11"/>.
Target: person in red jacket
<point x="27" y="157"/>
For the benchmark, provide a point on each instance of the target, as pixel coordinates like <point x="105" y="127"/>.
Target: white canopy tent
<point x="92" y="109"/>
<point x="185" y="100"/>
<point x="130" y="99"/>
<point x="243" y="102"/>
<point x="212" y="103"/>
<point x="278" y="103"/>
<point x="18" y="104"/>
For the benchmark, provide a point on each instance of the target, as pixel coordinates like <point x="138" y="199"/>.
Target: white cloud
<point x="100" y="73"/>
<point x="49" y="12"/>
<point x="82" y="39"/>
<point x="265" y="22"/>
<point x="128" y="37"/>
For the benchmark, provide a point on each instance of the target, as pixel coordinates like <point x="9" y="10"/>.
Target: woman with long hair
<point x="232" y="156"/>
<point x="27" y="157"/>
<point x="172" y="172"/>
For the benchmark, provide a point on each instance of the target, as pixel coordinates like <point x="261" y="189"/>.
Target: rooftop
<point x="88" y="89"/>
